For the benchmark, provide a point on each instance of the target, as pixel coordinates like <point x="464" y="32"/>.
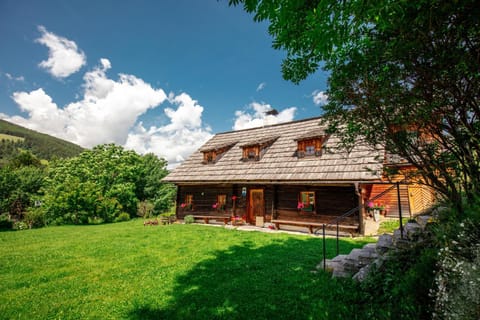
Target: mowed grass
<point x="4" y="136"/>
<point x="128" y="271"/>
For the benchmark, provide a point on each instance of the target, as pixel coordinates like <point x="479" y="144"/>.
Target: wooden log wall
<point x="204" y="197"/>
<point x="390" y="199"/>
<point x="329" y="201"/>
<point x="280" y="201"/>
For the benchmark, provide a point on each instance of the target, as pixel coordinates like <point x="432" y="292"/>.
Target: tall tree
<point x="403" y="74"/>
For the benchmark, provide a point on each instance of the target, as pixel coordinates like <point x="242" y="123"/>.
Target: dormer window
<point x="253" y="151"/>
<point x="310" y="150"/>
<point x="213" y="153"/>
<point x="311" y="144"/>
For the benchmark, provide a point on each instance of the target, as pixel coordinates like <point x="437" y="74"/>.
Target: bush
<point x="20" y="225"/>
<point x="457" y="291"/>
<point x="188" y="219"/>
<point x="122" y="217"/>
<point x="35" y="217"/>
<point x="399" y="287"/>
<point x="95" y="220"/>
<point x="5" y="222"/>
<point x="145" y="209"/>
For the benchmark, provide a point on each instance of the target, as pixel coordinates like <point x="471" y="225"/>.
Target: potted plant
<point x="186" y="206"/>
<point x="375" y="209"/>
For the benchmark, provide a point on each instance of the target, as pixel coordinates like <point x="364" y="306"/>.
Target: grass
<point x="388" y="226"/>
<point x="127" y="271"/>
<point x="7" y="137"/>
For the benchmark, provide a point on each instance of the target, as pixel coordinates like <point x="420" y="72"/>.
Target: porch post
<point x="400" y="209"/>
<point x="177" y="201"/>
<point x="361" y="207"/>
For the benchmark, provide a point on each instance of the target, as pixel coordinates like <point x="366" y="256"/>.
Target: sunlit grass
<point x="126" y="270"/>
<point x="388" y="226"/>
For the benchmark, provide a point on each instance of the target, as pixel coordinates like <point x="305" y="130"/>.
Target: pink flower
<point x="183" y="205"/>
<point x="300" y="205"/>
<point x="234" y="198"/>
<point x="215" y="205"/>
<point x="370" y="204"/>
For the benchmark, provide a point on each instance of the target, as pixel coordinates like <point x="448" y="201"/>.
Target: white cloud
<point x="176" y="140"/>
<point x="10" y="77"/>
<point x="261" y="86"/>
<point x="259" y="116"/>
<point x="320" y="98"/>
<point x="108" y="111"/>
<point x="64" y="57"/>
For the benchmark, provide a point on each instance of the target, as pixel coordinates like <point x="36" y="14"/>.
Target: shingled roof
<point x="279" y="164"/>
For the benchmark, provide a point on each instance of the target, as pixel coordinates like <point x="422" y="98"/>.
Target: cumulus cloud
<point x="108" y="111"/>
<point x="64" y="57"/>
<point x="261" y="86"/>
<point x="256" y="116"/>
<point x="184" y="133"/>
<point x="320" y="98"/>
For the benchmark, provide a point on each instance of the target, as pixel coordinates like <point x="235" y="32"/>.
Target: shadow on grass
<point x="251" y="282"/>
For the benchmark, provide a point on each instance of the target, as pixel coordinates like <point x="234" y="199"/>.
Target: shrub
<point x="95" y="220"/>
<point x="457" y="291"/>
<point x="399" y="287"/>
<point x="5" y="222"/>
<point x="122" y="217"/>
<point x="20" y="225"/>
<point x="35" y="217"/>
<point x="145" y="209"/>
<point x="188" y="219"/>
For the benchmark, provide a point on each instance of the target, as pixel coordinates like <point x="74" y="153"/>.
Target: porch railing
<point x="336" y="222"/>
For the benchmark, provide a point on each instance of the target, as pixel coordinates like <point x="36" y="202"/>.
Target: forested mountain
<point x="14" y="138"/>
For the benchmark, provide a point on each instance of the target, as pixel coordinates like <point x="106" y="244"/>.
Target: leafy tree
<point x="403" y="75"/>
<point x="101" y="184"/>
<point x="24" y="158"/>
<point x="20" y="187"/>
<point x="150" y="184"/>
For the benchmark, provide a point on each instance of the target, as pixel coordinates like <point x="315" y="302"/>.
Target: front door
<point x="256" y="205"/>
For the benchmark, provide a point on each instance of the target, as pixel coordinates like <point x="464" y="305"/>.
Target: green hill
<point x="14" y="137"/>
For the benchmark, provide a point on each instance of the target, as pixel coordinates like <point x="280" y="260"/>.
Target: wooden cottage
<point x="288" y="174"/>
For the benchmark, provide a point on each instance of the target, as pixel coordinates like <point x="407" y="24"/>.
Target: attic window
<point x="311" y="144"/>
<point x="253" y="151"/>
<point x="214" y="153"/>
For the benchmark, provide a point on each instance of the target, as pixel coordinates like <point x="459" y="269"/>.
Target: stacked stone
<point x="359" y="262"/>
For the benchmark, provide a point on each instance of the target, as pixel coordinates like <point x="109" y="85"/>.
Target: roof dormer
<point x="311" y="144"/>
<point x="254" y="150"/>
<point x="211" y="154"/>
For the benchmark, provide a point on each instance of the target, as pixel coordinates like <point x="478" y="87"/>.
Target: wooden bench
<point x="311" y="224"/>
<point x="206" y="218"/>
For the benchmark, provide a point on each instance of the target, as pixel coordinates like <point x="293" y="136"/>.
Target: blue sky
<point x="153" y="76"/>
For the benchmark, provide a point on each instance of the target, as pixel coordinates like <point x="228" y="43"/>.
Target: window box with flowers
<point x="375" y="209"/>
<point x="219" y="206"/>
<point x="186" y="206"/>
<point x="306" y="202"/>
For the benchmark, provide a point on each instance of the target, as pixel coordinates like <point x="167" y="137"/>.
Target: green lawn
<point x="128" y="271"/>
<point x="4" y="136"/>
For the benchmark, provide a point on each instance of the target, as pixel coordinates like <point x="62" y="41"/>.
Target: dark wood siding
<point x="280" y="201"/>
<point x="330" y="201"/>
<point x="204" y="197"/>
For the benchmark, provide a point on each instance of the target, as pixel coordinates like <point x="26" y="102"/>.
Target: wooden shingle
<point x="279" y="163"/>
